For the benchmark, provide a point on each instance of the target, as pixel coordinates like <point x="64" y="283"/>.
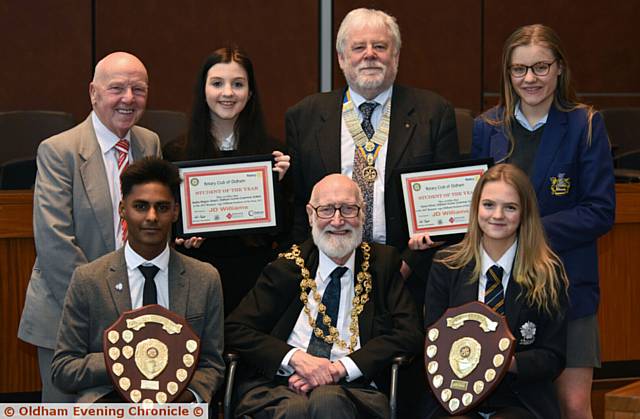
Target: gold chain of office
<point x="362" y="290"/>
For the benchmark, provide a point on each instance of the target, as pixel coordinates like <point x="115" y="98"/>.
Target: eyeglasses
<point x="328" y="211"/>
<point x="539" y="69"/>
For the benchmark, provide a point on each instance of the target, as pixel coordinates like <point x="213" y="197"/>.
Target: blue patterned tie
<point x="367" y="109"/>
<point x="331" y="300"/>
<point x="494" y="292"/>
<point x="359" y="163"/>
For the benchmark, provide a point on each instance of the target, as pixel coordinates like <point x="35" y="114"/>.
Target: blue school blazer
<point x="575" y="187"/>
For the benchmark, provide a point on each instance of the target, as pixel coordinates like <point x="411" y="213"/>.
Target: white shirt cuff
<point x="285" y="368"/>
<point x="353" y="372"/>
<point x="198" y="398"/>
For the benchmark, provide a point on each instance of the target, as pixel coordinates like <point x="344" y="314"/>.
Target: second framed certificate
<point x="437" y="200"/>
<point x="227" y="196"/>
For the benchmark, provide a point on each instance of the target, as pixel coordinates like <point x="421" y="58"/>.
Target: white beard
<point x="337" y="246"/>
<point x="362" y="82"/>
<point x="370" y="82"/>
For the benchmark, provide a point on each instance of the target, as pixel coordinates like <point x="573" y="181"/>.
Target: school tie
<point x="494" y="292"/>
<point x="331" y="300"/>
<point x="359" y="163"/>
<point x="122" y="150"/>
<point x="150" y="293"/>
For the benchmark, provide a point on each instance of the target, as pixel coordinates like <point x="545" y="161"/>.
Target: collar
<point x="227" y="143"/>
<point x="525" y="123"/>
<point x="134" y="260"/>
<point x="106" y="139"/>
<point x="381" y="99"/>
<point x="505" y="261"/>
<point x="326" y="265"/>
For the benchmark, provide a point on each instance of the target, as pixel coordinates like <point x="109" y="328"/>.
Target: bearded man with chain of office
<point x="319" y="330"/>
<point x="368" y="131"/>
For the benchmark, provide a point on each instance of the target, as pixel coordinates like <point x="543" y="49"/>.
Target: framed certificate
<point x="437" y="198"/>
<point x="228" y="196"/>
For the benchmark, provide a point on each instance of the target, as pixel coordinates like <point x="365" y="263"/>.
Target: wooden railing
<point x="619" y="258"/>
<point x="18" y="361"/>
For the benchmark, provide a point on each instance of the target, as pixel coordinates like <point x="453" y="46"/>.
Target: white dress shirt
<point x="107" y="141"/>
<point x="136" y="279"/>
<point x="347" y="153"/>
<point x="136" y="282"/>
<point x="228" y="143"/>
<point x="505" y="262"/>
<point x="301" y="333"/>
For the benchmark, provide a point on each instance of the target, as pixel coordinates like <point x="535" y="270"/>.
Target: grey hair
<point x="359" y="18"/>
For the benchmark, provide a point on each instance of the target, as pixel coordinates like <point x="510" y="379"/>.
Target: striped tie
<point x="494" y="292"/>
<point x="122" y="149"/>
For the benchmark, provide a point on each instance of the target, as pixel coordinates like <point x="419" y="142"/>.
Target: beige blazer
<point x="94" y="302"/>
<point x="72" y="220"/>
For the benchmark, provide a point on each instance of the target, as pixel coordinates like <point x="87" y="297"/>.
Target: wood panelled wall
<point x="441" y="46"/>
<point x="452" y="47"/>
<point x="600" y="39"/>
<point x="47" y="49"/>
<point x="46" y="56"/>
<point x="281" y="38"/>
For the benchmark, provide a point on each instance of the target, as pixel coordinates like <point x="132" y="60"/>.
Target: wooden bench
<point x="623" y="403"/>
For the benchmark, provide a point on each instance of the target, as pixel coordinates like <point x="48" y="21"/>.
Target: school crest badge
<point x="528" y="333"/>
<point x="560" y="185"/>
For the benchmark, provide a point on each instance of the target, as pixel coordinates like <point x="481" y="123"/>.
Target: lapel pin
<point x="119" y="286"/>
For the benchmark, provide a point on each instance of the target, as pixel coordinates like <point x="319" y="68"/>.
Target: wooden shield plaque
<point x="467" y="353"/>
<point x="151" y="354"/>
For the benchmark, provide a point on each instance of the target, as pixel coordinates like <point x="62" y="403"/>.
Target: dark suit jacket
<point x="573" y="222"/>
<point x="92" y="305"/>
<point x="539" y="362"/>
<point x="259" y="328"/>
<point x="422" y="131"/>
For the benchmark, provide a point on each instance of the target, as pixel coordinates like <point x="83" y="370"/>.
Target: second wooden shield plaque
<point x="467" y="353"/>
